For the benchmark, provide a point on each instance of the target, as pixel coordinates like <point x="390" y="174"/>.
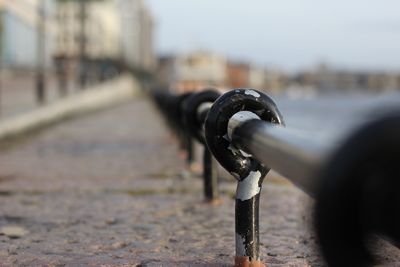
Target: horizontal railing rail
<point x="354" y="183"/>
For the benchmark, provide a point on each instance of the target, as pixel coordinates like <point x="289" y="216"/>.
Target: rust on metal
<point x="213" y="202"/>
<point x="243" y="261"/>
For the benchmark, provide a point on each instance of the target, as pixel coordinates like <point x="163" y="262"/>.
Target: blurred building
<point x="276" y="81"/>
<point x="192" y="72"/>
<point x="243" y="75"/>
<point x="18" y="32"/>
<point x="257" y="77"/>
<point x="383" y="81"/>
<point x="137" y="28"/>
<point x="120" y="31"/>
<point x="237" y="75"/>
<point x="101" y="30"/>
<point x="326" y="79"/>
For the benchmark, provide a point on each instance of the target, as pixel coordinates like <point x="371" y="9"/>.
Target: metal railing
<point x="185" y="115"/>
<point x="354" y="182"/>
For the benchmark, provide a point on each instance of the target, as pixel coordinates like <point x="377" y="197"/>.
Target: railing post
<point x="172" y="107"/>
<point x="210" y="173"/>
<point x="184" y="137"/>
<point x="248" y="171"/>
<point x="197" y="107"/>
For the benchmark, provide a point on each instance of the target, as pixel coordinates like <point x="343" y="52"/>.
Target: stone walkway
<point x="107" y="189"/>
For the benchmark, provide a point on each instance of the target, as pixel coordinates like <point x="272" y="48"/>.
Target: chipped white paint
<point x="240" y="248"/>
<point x="233" y="149"/>
<point x="203" y="107"/>
<point x="252" y="92"/>
<point x="247" y="155"/>
<point x="248" y="187"/>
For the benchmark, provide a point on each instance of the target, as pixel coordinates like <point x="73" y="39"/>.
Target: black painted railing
<point x="355" y="182"/>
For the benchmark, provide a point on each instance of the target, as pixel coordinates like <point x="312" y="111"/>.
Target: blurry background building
<point x="116" y="35"/>
<point x="101" y="30"/>
<point x="120" y="31"/>
<point x="237" y="74"/>
<point x="197" y="70"/>
<point x="326" y="78"/>
<point x="18" y="33"/>
<point x="192" y="71"/>
<point x="137" y="29"/>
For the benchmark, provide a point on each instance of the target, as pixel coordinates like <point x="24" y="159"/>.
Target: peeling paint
<point x="247" y="155"/>
<point x="252" y="92"/>
<point x="249" y="187"/>
<point x="233" y="149"/>
<point x="240" y="247"/>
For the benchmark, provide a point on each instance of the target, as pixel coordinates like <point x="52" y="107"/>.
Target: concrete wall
<point x="113" y="92"/>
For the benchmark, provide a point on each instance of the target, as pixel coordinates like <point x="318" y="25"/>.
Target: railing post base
<point x="243" y="261"/>
<point x="247" y="210"/>
<point x="213" y="202"/>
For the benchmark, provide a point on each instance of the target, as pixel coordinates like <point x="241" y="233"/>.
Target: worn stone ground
<point x="108" y="189"/>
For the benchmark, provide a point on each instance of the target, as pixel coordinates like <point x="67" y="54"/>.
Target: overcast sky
<point x="290" y="34"/>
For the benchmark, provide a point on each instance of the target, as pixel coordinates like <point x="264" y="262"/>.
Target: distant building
<point x="166" y="71"/>
<point x="192" y="72"/>
<point x="382" y="82"/>
<point x="137" y="29"/>
<point x="101" y="31"/>
<point x="119" y="30"/>
<point x="237" y="75"/>
<point x="325" y="78"/>
<point x="276" y="81"/>
<point x="256" y="77"/>
<point x="18" y="33"/>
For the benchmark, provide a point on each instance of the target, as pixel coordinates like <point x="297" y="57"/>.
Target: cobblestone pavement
<point x="108" y="189"/>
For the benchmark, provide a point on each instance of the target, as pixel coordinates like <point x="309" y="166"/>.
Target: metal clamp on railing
<point x="355" y="184"/>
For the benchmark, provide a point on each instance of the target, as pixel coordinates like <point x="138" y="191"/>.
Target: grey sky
<point x="286" y="33"/>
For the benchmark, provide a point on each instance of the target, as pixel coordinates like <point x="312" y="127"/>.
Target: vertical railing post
<point x="197" y="107"/>
<point x="247" y="205"/>
<point x="248" y="171"/>
<point x="190" y="158"/>
<point x="186" y="141"/>
<point x="173" y="108"/>
<point x="210" y="176"/>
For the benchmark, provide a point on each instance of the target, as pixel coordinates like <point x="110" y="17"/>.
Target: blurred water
<point x="330" y="117"/>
